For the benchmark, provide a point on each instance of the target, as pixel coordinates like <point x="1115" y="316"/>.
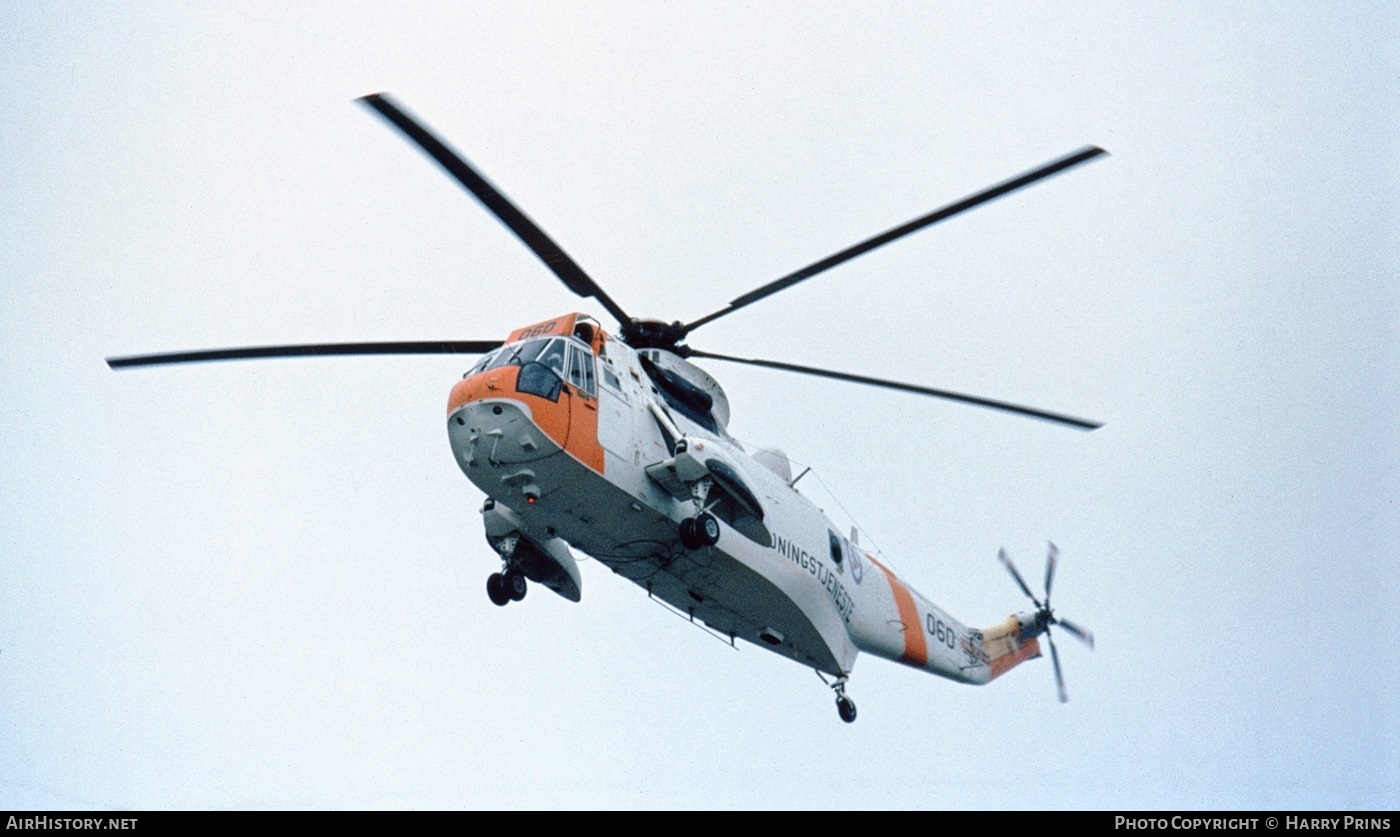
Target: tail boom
<point x="903" y="626"/>
<point x="899" y="624"/>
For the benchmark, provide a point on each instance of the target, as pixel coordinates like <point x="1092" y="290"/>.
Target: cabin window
<point x="609" y="379"/>
<point x="836" y="553"/>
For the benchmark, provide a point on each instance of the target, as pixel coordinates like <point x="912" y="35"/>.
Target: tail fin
<point x="1006" y="648"/>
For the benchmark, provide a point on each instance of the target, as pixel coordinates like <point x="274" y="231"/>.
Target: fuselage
<point x="561" y="425"/>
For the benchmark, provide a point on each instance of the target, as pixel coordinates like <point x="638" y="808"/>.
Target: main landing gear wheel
<point x="513" y="582"/>
<point x="496" y="590"/>
<point x="504" y="588"/>
<point x="698" y="531"/>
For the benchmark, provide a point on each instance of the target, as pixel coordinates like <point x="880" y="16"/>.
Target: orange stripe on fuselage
<point x="583" y="429"/>
<point x="915" y="648"/>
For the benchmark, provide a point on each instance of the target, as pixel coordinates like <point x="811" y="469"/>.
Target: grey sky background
<point x="262" y="584"/>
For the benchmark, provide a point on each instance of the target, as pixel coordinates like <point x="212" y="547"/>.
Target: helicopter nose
<point x="496" y="392"/>
<point x="488" y="384"/>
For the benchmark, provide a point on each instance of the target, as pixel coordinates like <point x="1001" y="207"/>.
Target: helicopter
<point x="615" y="444"/>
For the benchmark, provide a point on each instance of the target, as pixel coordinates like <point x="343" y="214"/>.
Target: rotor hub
<point x="654" y="334"/>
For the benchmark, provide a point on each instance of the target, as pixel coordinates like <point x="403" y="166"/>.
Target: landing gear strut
<point x="698" y="531"/>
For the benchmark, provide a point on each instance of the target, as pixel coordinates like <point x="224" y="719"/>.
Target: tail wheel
<point x="496" y="590"/>
<point x="846" y="708"/>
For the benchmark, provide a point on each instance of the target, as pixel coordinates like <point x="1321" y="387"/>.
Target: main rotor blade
<point x="434" y="347"/>
<point x="1085" y="636"/>
<point x="498" y="204"/>
<point x="1006" y="562"/>
<point x="1078" y="423"/>
<point x="1005" y="187"/>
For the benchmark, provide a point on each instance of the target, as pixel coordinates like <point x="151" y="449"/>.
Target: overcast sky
<point x="263" y="584"/>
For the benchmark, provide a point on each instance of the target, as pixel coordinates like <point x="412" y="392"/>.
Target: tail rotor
<point x="1044" y="617"/>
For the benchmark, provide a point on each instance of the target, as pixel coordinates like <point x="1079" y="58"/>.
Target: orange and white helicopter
<point x="616" y="445"/>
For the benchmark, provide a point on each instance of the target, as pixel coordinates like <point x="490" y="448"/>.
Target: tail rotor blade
<point x="1006" y="561"/>
<point x="1052" y="557"/>
<point x="1084" y="636"/>
<point x="1059" y="677"/>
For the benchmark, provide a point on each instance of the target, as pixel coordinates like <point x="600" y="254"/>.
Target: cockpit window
<point x="481" y="365"/>
<point x="553" y="356"/>
<point x="518" y="354"/>
<point x="581" y="369"/>
<point x="568" y="359"/>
